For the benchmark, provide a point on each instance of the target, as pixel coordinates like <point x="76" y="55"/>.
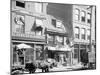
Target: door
<point x="83" y="56"/>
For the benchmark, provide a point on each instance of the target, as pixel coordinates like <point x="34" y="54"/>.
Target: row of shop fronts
<point x="26" y="51"/>
<point x="23" y="52"/>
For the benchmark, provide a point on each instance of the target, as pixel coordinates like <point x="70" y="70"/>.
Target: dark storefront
<point x="80" y="53"/>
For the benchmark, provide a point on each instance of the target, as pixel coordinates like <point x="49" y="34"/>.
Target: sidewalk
<point x="61" y="68"/>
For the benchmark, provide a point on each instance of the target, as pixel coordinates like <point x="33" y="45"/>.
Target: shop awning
<point x="20" y="46"/>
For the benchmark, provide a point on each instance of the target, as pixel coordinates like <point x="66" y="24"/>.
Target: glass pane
<point x="39" y="22"/>
<point x="82" y="31"/>
<point x="77" y="30"/>
<point x="76" y="17"/>
<point x="59" y="24"/>
<point x="88" y="16"/>
<point x="76" y="11"/>
<point x="21" y="60"/>
<point x="83" y="13"/>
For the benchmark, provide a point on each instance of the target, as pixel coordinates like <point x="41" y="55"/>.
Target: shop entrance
<point x="83" y="56"/>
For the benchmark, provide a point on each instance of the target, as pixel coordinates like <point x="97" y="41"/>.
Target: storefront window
<point x="38" y="55"/>
<point x="21" y="60"/>
<point x="14" y="57"/>
<point x="76" y="53"/>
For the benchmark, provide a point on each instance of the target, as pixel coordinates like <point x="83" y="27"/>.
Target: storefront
<point x="80" y="53"/>
<point x="23" y="53"/>
<point x="61" y="55"/>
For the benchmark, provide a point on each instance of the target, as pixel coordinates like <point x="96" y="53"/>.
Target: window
<point x="20" y="23"/>
<point x="88" y="34"/>
<point x="59" y="24"/>
<point x="54" y="22"/>
<point x="83" y="14"/>
<point x="77" y="14"/>
<point x="39" y="22"/>
<point x="51" y="38"/>
<point x="76" y="53"/>
<point x="38" y="33"/>
<point x="77" y="32"/>
<point x="88" y="18"/>
<point x="83" y="33"/>
<point x="20" y="4"/>
<point x="60" y="39"/>
<point x="38" y="27"/>
<point x="38" y="7"/>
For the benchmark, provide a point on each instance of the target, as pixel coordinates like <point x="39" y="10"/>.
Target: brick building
<point x="79" y="22"/>
<point x="35" y="34"/>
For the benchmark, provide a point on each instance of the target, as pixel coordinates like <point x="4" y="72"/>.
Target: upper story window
<point x="38" y="7"/>
<point x="88" y="18"/>
<point x="54" y="22"/>
<point x="38" y="33"/>
<point x="59" y="24"/>
<point x="38" y="25"/>
<point x="77" y="14"/>
<point x="52" y="38"/>
<point x="83" y="16"/>
<point x="59" y="39"/>
<point x="20" y="4"/>
<point x="39" y="22"/>
<point x="83" y="33"/>
<point x="88" y="34"/>
<point x="38" y="28"/>
<point x="77" y="32"/>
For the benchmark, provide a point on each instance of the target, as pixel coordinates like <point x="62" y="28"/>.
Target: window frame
<point x="83" y="18"/>
<point x="77" y="14"/>
<point x="20" y="4"/>
<point x="89" y="19"/>
<point x="88" y="34"/>
<point x="83" y="36"/>
<point x="37" y="4"/>
<point x="77" y="36"/>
